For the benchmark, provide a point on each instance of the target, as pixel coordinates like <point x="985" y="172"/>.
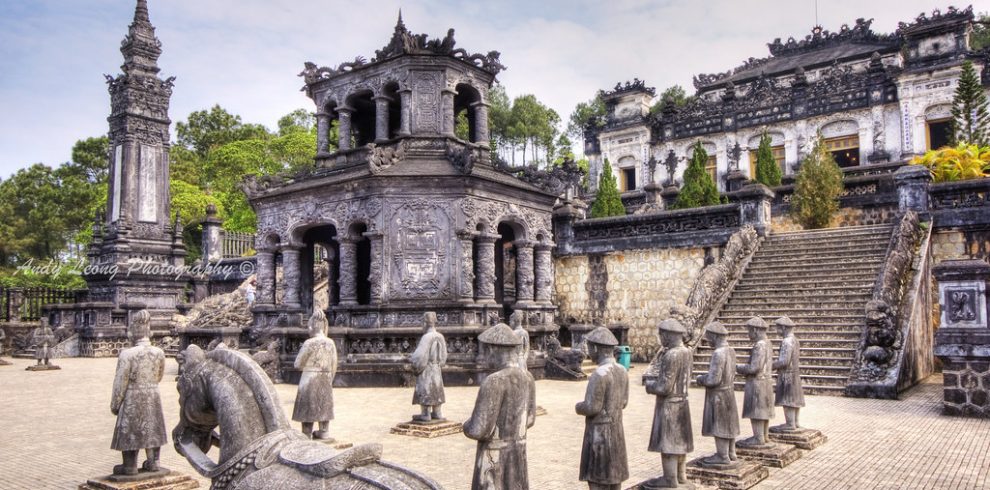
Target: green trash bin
<point x="625" y="354"/>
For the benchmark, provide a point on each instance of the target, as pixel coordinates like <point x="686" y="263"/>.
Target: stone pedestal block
<point x="428" y="430"/>
<point x="772" y="455"/>
<point x="657" y="484"/>
<point x="336" y="444"/>
<point x="540" y="411"/>
<point x="158" y="480"/>
<point x="42" y="367"/>
<point x="802" y="438"/>
<point x="739" y="475"/>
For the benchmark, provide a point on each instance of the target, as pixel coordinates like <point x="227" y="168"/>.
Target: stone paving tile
<point x="55" y="430"/>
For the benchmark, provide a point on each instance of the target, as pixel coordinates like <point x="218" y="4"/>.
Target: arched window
<point x="363" y="117"/>
<point x="465" y="112"/>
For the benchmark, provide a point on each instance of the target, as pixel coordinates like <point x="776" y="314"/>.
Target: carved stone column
<point x="344" y="142"/>
<point x="291" y="276"/>
<point x="322" y="133"/>
<point x="481" y="135"/>
<point x="466" y="288"/>
<point x="543" y="272"/>
<point x="381" y="118"/>
<point x="524" y="271"/>
<point x="447" y="97"/>
<point x="484" y="285"/>
<point x="264" y="275"/>
<point x="375" y="273"/>
<point x="405" y="112"/>
<point x="348" y="271"/>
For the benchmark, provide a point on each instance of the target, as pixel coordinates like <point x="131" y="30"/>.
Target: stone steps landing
<point x="822" y="280"/>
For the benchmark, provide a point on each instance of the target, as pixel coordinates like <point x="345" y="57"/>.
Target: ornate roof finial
<point x="141" y="12"/>
<point x="400" y="26"/>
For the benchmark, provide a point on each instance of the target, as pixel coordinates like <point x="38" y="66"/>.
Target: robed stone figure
<point x="721" y="417"/>
<point x="43" y="340"/>
<point x="135" y="399"/>
<point x="672" y="436"/>
<point x="758" y="394"/>
<point x="516" y="323"/>
<point x="317" y="359"/>
<point x="603" y="453"/>
<point x="789" y="393"/>
<point x="428" y="361"/>
<point x="504" y="410"/>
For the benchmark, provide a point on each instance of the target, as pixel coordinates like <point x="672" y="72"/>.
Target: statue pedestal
<point x="144" y="480"/>
<point x="655" y="484"/>
<point x="5" y="363"/>
<point x="739" y="475"/>
<point x="428" y="430"/>
<point x="42" y="367"/>
<point x="334" y="443"/>
<point x="540" y="411"/>
<point x="773" y="455"/>
<point x="802" y="437"/>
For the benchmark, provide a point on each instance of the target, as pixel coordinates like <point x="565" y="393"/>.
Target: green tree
<point x="462" y="128"/>
<point x="980" y="37"/>
<point x="532" y="126"/>
<point x="295" y="121"/>
<point x="499" y="114"/>
<point x="607" y="202"/>
<point x="970" y="116"/>
<point x="208" y="129"/>
<point x="587" y="113"/>
<point x="767" y="170"/>
<point x="674" y="96"/>
<point x="817" y="189"/>
<point x="43" y="210"/>
<point x="699" y="189"/>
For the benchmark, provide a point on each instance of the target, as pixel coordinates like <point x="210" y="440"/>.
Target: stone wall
<point x="954" y="244"/>
<point x="634" y="287"/>
<point x="783" y="223"/>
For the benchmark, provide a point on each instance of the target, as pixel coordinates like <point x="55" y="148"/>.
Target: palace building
<point x="874" y="97"/>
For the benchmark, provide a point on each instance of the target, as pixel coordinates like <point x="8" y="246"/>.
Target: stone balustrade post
<point x="525" y="277"/>
<point x="962" y="340"/>
<point x="211" y="235"/>
<point x="912" y="189"/>
<point x="291" y="276"/>
<point x="484" y="286"/>
<point x="322" y="134"/>
<point x="754" y="207"/>
<point x="348" y="271"/>
<point x="344" y="138"/>
<point x="381" y="118"/>
<point x="543" y="265"/>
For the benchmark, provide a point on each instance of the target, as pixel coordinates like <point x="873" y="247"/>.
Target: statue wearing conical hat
<point x="317" y="359"/>
<point x="504" y="410"/>
<point x="758" y="394"/>
<point x="671" y="435"/>
<point x="721" y="418"/>
<point x="603" y="453"/>
<point x="789" y="393"/>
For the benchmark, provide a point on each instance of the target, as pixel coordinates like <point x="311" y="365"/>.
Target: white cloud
<point x="244" y="54"/>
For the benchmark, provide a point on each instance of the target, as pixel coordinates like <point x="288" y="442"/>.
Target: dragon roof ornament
<point x="922" y="21"/>
<point x="635" y="85"/>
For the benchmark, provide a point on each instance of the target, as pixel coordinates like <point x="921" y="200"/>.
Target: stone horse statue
<point x="226" y="389"/>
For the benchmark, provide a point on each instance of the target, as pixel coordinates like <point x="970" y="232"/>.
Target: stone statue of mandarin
<point x="721" y="418"/>
<point x="136" y="401"/>
<point x="43" y="340"/>
<point x="317" y="359"/>
<point x="671" y="435"/>
<point x="428" y="360"/>
<point x="603" y="454"/>
<point x="504" y="410"/>
<point x="515" y="322"/>
<point x="789" y="393"/>
<point x="758" y="395"/>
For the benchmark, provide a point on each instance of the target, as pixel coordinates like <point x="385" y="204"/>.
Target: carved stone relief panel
<point x="426" y="101"/>
<point x="420" y="238"/>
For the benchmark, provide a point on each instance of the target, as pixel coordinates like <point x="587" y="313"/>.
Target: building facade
<point x="873" y="97"/>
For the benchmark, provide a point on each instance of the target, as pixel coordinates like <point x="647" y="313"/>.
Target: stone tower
<point x="137" y="253"/>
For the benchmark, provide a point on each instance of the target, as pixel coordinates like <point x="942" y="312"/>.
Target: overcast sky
<point x="245" y="54"/>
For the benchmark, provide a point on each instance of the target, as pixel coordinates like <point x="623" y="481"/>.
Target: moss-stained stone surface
<point x="782" y="222"/>
<point x="636" y="288"/>
<point x="955" y="244"/>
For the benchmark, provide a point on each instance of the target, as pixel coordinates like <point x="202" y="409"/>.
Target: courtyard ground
<point x="55" y="430"/>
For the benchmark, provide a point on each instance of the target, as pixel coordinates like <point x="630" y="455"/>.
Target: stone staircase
<point x="822" y="280"/>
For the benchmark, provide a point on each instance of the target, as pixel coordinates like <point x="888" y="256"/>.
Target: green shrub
<point x="607" y="202"/>
<point x="699" y="189"/>
<point x="767" y="170"/>
<point x="817" y="190"/>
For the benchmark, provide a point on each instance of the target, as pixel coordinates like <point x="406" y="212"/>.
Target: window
<point x="778" y="156"/>
<point x="711" y="166"/>
<point x="628" y="179"/>
<point x="844" y="149"/>
<point x="939" y="133"/>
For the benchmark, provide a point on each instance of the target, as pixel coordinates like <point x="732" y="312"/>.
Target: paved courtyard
<point x="55" y="430"/>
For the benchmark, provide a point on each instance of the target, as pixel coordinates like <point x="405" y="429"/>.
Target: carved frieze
<point x="420" y="245"/>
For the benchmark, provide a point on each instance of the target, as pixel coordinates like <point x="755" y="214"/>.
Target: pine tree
<point x="767" y="170"/>
<point x="817" y="189"/>
<point x="970" y="117"/>
<point x="699" y="188"/>
<point x="607" y="202"/>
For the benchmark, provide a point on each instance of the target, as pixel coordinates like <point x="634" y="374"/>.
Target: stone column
<point x="344" y="142"/>
<point x="211" y="235"/>
<point x="524" y="271"/>
<point x="375" y="273"/>
<point x="322" y="134"/>
<point x="447" y="97"/>
<point x="484" y="286"/>
<point x="348" y="271"/>
<point x="291" y="275"/>
<point x="264" y="275"/>
<point x="912" y="189"/>
<point x="543" y="273"/>
<point x="381" y="118"/>
<point x="466" y="289"/>
<point x="405" y="112"/>
<point x="481" y="135"/>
